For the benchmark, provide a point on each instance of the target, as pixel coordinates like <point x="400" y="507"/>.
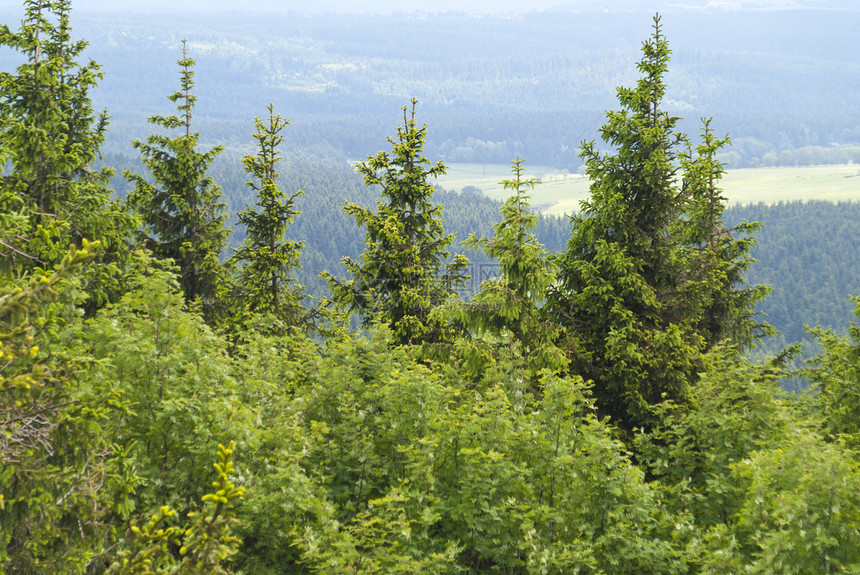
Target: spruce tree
<point x="62" y="480"/>
<point x="51" y="197"/>
<point x="717" y="254"/>
<point x="402" y="274"/>
<point x="649" y="278"/>
<point x="505" y="313"/>
<point x="181" y="210"/>
<point x="265" y="258"/>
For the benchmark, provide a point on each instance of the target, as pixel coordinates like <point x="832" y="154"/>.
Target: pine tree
<point x="400" y="278"/>
<point x="182" y="210"/>
<point x="50" y="136"/>
<point x="265" y="257"/>
<point x="649" y="278"/>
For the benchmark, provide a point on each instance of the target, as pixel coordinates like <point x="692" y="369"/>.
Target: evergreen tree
<point x="182" y="210"/>
<point x="649" y="276"/>
<point x="400" y="278"/>
<point x="50" y="197"/>
<point x="60" y="478"/>
<point x="265" y="257"/>
<point x="507" y="307"/>
<point x="717" y="255"/>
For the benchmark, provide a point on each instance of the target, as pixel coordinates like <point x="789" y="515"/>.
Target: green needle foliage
<point x="265" y="259"/>
<point x="59" y="477"/>
<point x="649" y="279"/>
<point x="182" y="211"/>
<point x="400" y="278"/>
<point x="506" y="310"/>
<point x="206" y="540"/>
<point x="50" y="197"/>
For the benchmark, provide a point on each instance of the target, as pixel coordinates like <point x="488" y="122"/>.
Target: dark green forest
<point x="818" y="237"/>
<point x="226" y="360"/>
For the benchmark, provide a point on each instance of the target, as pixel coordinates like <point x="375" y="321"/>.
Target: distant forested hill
<point x="491" y="88"/>
<point x="808" y="252"/>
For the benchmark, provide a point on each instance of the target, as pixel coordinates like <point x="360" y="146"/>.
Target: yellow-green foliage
<point x="205" y="540"/>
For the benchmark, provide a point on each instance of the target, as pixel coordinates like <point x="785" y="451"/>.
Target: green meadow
<point x="560" y="192"/>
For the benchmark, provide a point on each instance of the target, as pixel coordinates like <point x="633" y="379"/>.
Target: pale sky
<point x="309" y="6"/>
<point x="388" y="6"/>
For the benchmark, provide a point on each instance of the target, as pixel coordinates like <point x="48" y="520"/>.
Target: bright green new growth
<point x="265" y="257"/>
<point x="182" y="210"/>
<point x="51" y="198"/>
<point x="400" y="279"/>
<point x="206" y="541"/>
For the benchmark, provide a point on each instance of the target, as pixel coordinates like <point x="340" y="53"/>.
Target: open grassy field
<point x="560" y="192"/>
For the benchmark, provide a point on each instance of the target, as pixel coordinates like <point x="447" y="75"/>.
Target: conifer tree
<point x="50" y="196"/>
<point x="718" y="255"/>
<point x="402" y="275"/>
<point x="181" y="210"/>
<point x="648" y="280"/>
<point x="507" y="307"/>
<point x="60" y="478"/>
<point x="265" y="257"/>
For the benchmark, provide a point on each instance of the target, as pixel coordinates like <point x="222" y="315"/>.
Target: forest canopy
<point x="171" y="407"/>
